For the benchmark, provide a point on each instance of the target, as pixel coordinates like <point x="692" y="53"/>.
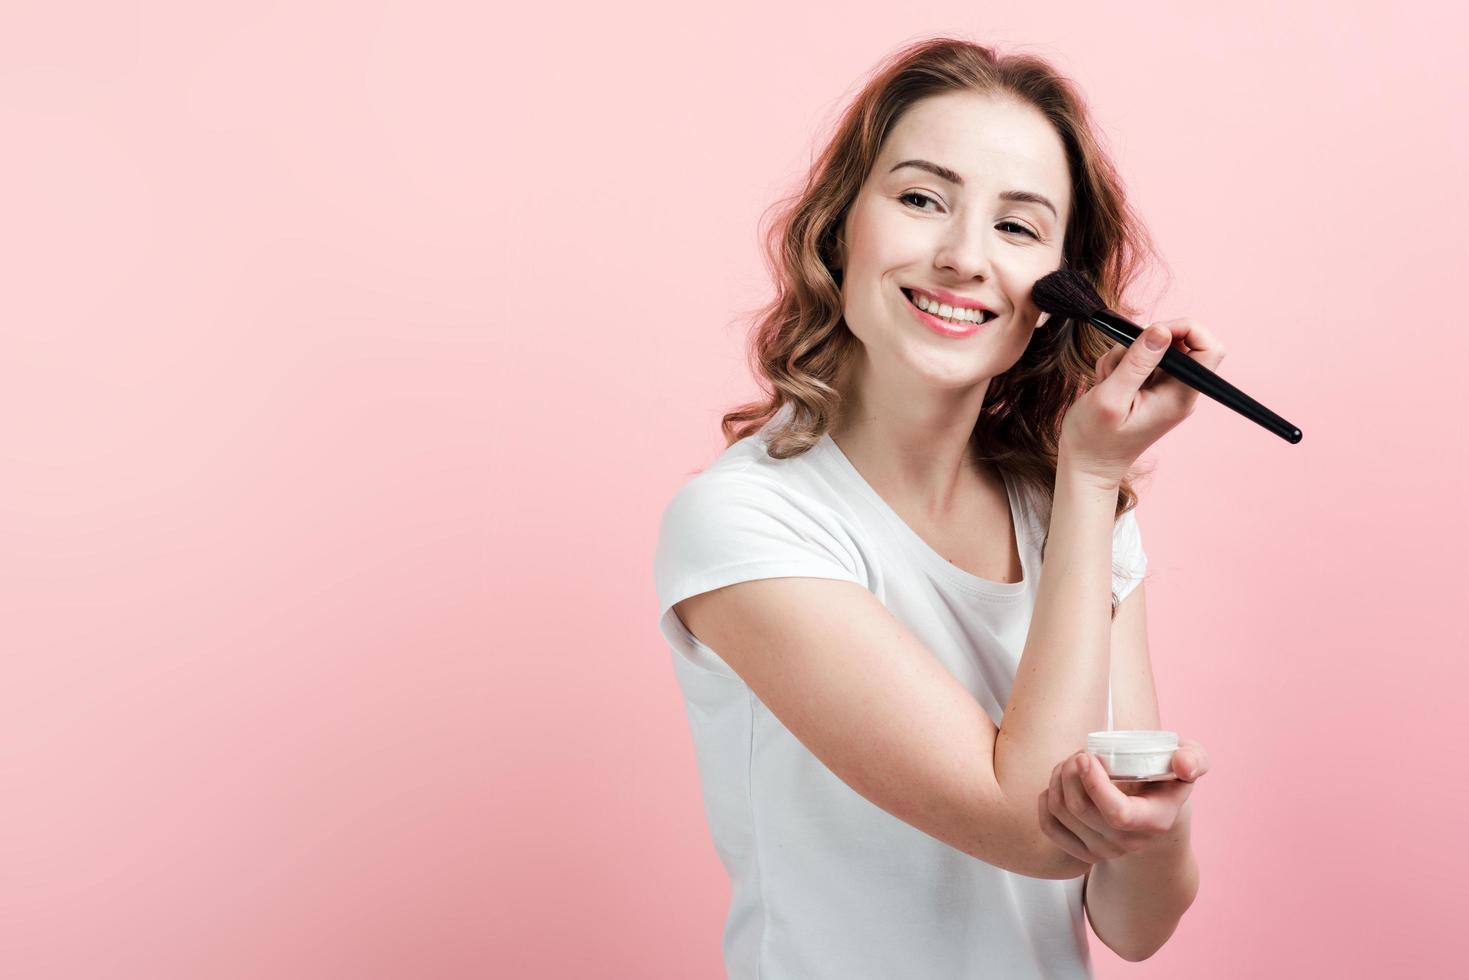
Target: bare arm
<point x="869" y="700"/>
<point x="859" y="690"/>
<point x="1060" y="689"/>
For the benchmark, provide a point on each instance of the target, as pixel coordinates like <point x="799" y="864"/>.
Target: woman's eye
<point x="922" y="197"/>
<point x="1022" y="228"/>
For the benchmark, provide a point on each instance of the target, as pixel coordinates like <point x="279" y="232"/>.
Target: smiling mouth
<point x="988" y="315"/>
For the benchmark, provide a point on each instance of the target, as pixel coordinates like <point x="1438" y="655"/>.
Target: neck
<point x="913" y="447"/>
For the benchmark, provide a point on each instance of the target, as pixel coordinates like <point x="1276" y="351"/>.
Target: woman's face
<point x="910" y="227"/>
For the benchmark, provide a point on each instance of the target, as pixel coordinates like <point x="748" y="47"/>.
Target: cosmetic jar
<point x="1135" y="755"/>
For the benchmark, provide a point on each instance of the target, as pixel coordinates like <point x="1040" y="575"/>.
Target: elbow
<point x="1022" y="849"/>
<point x="1132" y="951"/>
<point x="1135" y="957"/>
<point x="1139" y="953"/>
<point x="1035" y="861"/>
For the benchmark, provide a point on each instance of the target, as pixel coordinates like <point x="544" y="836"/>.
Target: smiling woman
<point x="881" y="657"/>
<point x="945" y="97"/>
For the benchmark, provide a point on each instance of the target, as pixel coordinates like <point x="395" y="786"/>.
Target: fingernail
<point x="1155" y="339"/>
<point x="1086" y="765"/>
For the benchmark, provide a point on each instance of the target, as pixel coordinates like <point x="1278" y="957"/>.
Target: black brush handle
<point x="1198" y="377"/>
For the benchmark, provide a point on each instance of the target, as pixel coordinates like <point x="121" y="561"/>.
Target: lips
<point x="955" y="301"/>
<point x="942" y="327"/>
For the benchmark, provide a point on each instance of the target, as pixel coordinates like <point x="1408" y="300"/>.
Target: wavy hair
<point x="800" y="342"/>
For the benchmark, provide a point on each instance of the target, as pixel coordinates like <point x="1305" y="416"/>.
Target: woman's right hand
<point x="1133" y="402"/>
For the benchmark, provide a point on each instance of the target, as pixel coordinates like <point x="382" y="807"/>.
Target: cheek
<point x="879" y="235"/>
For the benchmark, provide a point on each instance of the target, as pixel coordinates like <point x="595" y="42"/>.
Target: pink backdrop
<point x="351" y="355"/>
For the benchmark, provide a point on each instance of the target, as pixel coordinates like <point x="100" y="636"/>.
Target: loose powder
<point x="1135" y="755"/>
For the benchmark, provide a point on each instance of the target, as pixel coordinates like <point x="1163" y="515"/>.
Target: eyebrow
<point x="944" y="173"/>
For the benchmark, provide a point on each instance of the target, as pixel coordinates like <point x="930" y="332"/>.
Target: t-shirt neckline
<point x="921" y="549"/>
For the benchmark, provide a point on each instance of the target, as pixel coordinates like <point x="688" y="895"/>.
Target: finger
<point x="1078" y="799"/>
<point x="1058" y="834"/>
<point x="1188" y="336"/>
<point x="1116" y="803"/>
<point x="1058" y="821"/>
<point x="1134" y="368"/>
<point x="1112" y="807"/>
<point x="1190" y="761"/>
<point x="1083" y="819"/>
<point x="1153" y="809"/>
<point x="1107" y="363"/>
<point x="1196" y="342"/>
<point x="1107" y="797"/>
<point x="1139" y="813"/>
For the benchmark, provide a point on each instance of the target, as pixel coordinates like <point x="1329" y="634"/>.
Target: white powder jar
<point x="1135" y="755"/>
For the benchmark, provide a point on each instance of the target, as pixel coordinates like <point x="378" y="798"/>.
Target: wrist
<point x="1177" y="842"/>
<point x="1080" y="475"/>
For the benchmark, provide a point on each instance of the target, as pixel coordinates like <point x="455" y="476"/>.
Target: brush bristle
<point x="1064" y="293"/>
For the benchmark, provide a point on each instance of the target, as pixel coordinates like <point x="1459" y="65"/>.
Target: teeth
<point x="946" y="312"/>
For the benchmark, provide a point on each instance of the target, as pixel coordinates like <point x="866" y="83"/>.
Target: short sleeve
<point x="721" y="529"/>
<point x="1129" y="561"/>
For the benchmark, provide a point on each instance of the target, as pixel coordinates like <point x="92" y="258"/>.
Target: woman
<point x="923" y="520"/>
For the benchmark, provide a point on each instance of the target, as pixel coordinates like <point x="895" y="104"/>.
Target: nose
<point x="965" y="251"/>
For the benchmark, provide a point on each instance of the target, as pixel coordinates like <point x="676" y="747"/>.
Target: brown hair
<point x="800" y="341"/>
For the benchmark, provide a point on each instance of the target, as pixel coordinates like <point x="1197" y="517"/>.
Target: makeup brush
<point x="1065" y="293"/>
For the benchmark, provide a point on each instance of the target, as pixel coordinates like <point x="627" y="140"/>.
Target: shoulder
<point x="746" y="477"/>
<point x="733" y="523"/>
<point x="735" y="497"/>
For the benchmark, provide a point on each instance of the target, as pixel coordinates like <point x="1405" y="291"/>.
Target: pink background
<point x="351" y="354"/>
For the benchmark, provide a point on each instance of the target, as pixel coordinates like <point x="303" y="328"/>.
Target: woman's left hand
<point x="1094" y="819"/>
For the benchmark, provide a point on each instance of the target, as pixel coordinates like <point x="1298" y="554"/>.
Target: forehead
<point x="994" y="144"/>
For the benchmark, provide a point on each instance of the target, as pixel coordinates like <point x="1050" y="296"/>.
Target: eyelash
<point x="1023" y="229"/>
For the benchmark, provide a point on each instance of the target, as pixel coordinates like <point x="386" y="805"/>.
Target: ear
<point x="1045" y="318"/>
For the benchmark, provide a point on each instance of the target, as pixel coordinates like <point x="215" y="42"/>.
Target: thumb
<point x="1145" y="353"/>
<point x="1190" y="762"/>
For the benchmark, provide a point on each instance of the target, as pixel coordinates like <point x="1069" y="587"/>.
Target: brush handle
<point x="1198" y="377"/>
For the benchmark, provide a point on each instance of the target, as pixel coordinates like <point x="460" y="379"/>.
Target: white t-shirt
<point x="824" y="883"/>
